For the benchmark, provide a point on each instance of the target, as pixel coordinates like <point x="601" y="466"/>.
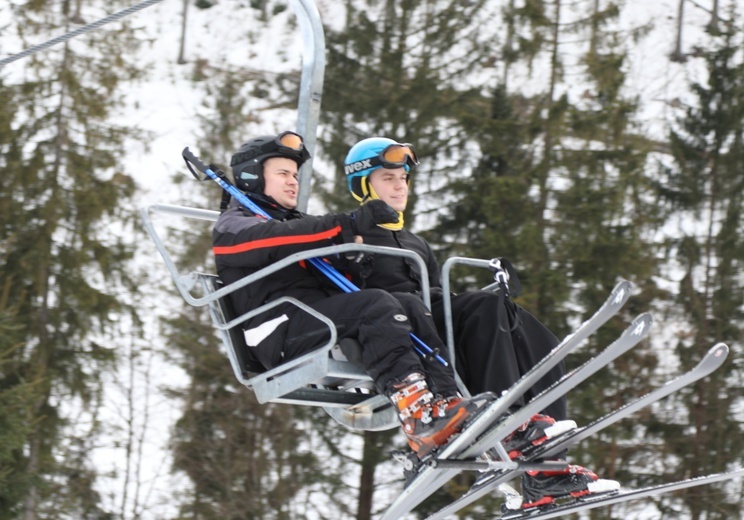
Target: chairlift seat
<point x="324" y="377"/>
<point x="330" y="377"/>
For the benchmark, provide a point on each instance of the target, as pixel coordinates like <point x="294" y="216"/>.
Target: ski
<point x="488" y="482"/>
<point x="616" y="497"/>
<point x="428" y="479"/>
<point x="634" y="333"/>
<point x="711" y="362"/>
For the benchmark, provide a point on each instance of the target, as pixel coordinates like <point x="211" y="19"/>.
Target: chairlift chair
<point x="330" y="377"/>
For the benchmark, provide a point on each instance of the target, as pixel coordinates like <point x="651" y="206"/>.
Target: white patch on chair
<point x="256" y="335"/>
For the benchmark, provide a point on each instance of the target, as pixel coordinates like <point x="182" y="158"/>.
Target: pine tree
<point x="704" y="186"/>
<point x="529" y="144"/>
<point x="244" y="459"/>
<point x="563" y="189"/>
<point x="15" y="410"/>
<point x="401" y="69"/>
<point x="500" y="203"/>
<point x="605" y="222"/>
<point x="61" y="221"/>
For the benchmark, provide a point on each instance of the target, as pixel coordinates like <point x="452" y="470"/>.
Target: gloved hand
<point x="370" y="214"/>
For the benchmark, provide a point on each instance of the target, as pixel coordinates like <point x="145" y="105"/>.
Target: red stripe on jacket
<point x="275" y="241"/>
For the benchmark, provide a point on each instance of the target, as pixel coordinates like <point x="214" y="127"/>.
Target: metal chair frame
<point x="324" y="377"/>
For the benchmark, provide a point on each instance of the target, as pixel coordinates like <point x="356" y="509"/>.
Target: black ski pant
<point x="382" y="325"/>
<point x="495" y="346"/>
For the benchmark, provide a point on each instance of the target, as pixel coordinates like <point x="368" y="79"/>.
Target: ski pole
<point x="328" y="270"/>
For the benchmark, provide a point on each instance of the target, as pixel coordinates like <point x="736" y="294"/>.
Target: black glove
<point x="370" y="214"/>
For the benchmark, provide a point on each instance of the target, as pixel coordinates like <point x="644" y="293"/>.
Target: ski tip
<point x="719" y="350"/>
<point x="714" y="358"/>
<point x="621" y="292"/>
<point x="641" y="324"/>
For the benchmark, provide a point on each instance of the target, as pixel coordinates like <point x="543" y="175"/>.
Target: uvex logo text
<point x="357" y="166"/>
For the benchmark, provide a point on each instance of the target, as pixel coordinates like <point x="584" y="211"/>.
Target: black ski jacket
<point x="398" y="274"/>
<point x="244" y="243"/>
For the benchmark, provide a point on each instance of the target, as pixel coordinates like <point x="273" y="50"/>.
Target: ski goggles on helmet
<point x="289" y="141"/>
<point x="290" y="144"/>
<point x="286" y="144"/>
<point x="393" y="156"/>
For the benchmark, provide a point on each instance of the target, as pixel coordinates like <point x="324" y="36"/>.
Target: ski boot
<point x="541" y="488"/>
<point x="428" y="421"/>
<point x="534" y="432"/>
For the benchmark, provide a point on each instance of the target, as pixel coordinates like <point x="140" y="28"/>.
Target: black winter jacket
<point x="398" y="274"/>
<point x="244" y="243"/>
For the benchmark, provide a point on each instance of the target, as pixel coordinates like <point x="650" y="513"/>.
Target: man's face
<point x="280" y="181"/>
<point x="391" y="186"/>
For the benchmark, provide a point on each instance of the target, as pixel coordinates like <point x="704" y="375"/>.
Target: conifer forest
<point x="584" y="140"/>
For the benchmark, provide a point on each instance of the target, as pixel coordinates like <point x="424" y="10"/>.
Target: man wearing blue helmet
<point x="266" y="170"/>
<point x="496" y="341"/>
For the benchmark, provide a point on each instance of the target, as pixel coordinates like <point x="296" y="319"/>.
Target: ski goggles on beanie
<point x="398" y="155"/>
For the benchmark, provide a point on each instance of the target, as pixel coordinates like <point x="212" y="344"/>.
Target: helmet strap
<point x="366" y="188"/>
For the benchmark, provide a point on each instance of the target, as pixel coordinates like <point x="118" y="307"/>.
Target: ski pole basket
<point x="330" y="377"/>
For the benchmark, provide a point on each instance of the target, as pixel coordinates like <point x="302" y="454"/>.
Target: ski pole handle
<point x="190" y="159"/>
<point x="238" y="195"/>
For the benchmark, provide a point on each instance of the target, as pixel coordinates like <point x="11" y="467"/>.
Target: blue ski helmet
<point x="372" y="154"/>
<point x="247" y="162"/>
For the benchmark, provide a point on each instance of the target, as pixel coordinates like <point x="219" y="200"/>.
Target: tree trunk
<point x="713" y="25"/>
<point x="677" y="54"/>
<point x="182" y="46"/>
<point x="541" y="262"/>
<point x="32" y="497"/>
<point x="370" y="460"/>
